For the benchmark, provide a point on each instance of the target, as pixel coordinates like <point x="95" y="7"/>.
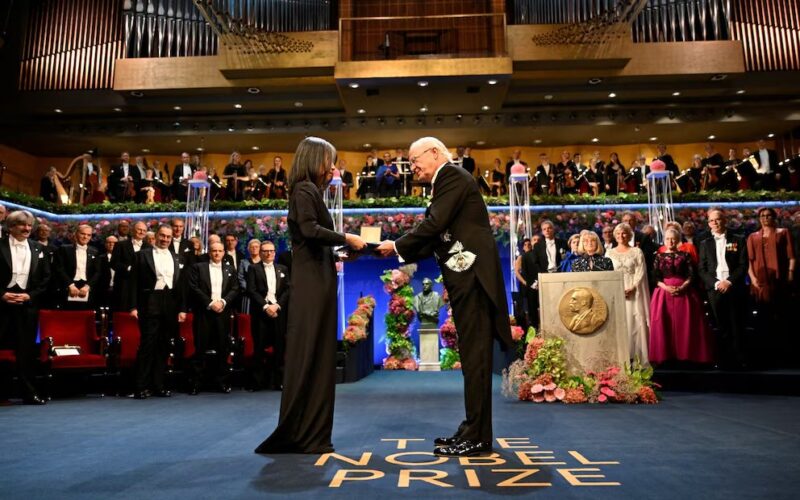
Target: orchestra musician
<point x="544" y="179"/>
<point x="181" y="176"/>
<point x="668" y="161"/>
<point x="276" y="180"/>
<point x="234" y="173"/>
<point x="366" y="180"/>
<point x="47" y="186"/>
<point x="767" y="160"/>
<point x="467" y="162"/>
<point x="594" y="176"/>
<point x="711" y="168"/>
<point x="347" y="178"/>
<point x="122" y="180"/>
<point x="388" y="178"/>
<point x="614" y="175"/>
<point x="498" y="184"/>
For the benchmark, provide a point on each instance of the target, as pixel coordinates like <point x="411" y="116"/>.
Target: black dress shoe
<point x="451" y="441"/>
<point x="141" y="395"/>
<point x="465" y="448"/>
<point x="163" y="393"/>
<point x="34" y="400"/>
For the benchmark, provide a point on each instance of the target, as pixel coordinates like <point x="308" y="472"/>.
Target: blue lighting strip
<point x="406" y="210"/>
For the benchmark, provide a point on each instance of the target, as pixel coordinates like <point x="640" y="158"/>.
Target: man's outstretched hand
<point x="386" y="249"/>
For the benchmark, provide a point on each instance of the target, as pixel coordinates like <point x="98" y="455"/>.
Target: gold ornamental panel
<point x="582" y="310"/>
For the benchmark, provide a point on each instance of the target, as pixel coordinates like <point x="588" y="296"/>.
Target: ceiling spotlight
<point x="718" y="78"/>
<point x="201" y="149"/>
<point x="423" y="109"/>
<point x="177" y="141"/>
<point x="176" y="108"/>
<point x="298" y="104"/>
<point x="176" y="124"/>
<point x="491" y="82"/>
<point x="595" y="139"/>
<point x="548" y="97"/>
<point x="595" y="81"/>
<point x="231" y="129"/>
<point x="612" y="95"/>
<point x="367" y="145"/>
<point x="253" y="90"/>
<point x="361" y="111"/>
<point x="537" y="141"/>
<point x="137" y="93"/>
<point x="480" y="143"/>
<point x="770" y="135"/>
<point x="353" y="85"/>
<point x="145" y="150"/>
<point x="237" y="106"/>
<point x="712" y="137"/>
<point x="654" y="138"/>
<point x="485" y="107"/>
<point x="117" y="109"/>
<point x="255" y="148"/>
<point x="676" y="94"/>
<point x="422" y="83"/>
<point x="58" y="110"/>
<point x="741" y="91"/>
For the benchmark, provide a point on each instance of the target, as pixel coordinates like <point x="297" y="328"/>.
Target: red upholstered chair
<point x="73" y="328"/>
<point x="244" y="344"/>
<point x="125" y="339"/>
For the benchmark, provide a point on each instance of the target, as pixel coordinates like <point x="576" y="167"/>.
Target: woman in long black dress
<point x="306" y="418"/>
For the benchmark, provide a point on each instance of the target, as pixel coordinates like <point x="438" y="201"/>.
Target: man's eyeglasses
<point x="267" y="251"/>
<point x="414" y="159"/>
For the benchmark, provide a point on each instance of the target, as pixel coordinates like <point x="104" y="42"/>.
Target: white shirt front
<point x="723" y="272"/>
<point x="550" y="246"/>
<point x="125" y="169"/>
<point x="137" y="245"/>
<point x="165" y="268"/>
<point x="176" y="244"/>
<point x="763" y="166"/>
<point x="80" y="263"/>
<point x="20" y="263"/>
<point x="187" y="171"/>
<point x="111" y="281"/>
<point x="215" y="272"/>
<point x="269" y="270"/>
<point x="232" y="253"/>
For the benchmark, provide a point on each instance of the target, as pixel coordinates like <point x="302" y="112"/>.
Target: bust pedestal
<point x="429" y="348"/>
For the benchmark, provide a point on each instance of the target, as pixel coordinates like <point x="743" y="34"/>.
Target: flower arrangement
<point x="400" y="349"/>
<point x="356" y="329"/>
<point x="541" y="377"/>
<point x="449" y="358"/>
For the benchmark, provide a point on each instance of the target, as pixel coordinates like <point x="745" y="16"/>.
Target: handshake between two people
<point x="357" y="246"/>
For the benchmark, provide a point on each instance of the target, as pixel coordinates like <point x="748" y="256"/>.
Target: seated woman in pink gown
<point x="678" y="327"/>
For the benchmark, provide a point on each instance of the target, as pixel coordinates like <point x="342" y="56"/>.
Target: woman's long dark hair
<point x="312" y="152"/>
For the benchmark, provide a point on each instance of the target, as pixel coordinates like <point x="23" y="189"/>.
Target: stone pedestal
<point x="599" y="337"/>
<point x="429" y="349"/>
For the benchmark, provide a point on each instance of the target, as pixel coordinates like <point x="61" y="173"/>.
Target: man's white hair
<point x="431" y="142"/>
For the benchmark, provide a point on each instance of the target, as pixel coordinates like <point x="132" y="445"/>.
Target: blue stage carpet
<point x="699" y="446"/>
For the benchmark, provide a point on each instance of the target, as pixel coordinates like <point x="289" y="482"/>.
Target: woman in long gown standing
<point x="306" y="416"/>
<point x="678" y="327"/>
<point x="630" y="260"/>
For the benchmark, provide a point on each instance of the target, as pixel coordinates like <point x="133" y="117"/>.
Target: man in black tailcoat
<point x="723" y="267"/>
<point x="268" y="290"/>
<point x="24" y="276"/>
<point x="456" y="232"/>
<point x="122" y="259"/>
<point x="77" y="272"/>
<point x="213" y="289"/>
<point x="548" y="252"/>
<point x="155" y="290"/>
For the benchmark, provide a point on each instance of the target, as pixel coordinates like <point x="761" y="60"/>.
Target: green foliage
<point x="401" y="202"/>
<point x="550" y="359"/>
<point x="639" y="375"/>
<point x="530" y="335"/>
<point x="448" y="357"/>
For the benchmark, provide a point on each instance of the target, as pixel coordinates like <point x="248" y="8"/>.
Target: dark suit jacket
<point x="122" y="258"/>
<point x="735" y="256"/>
<point x="529" y="268"/>
<point x="468" y="164"/>
<point x="142" y="281"/>
<point x="458" y="214"/>
<point x="115" y="185"/>
<point x="66" y="262"/>
<point x="539" y="252"/>
<point x="38" y="272"/>
<point x="257" y="285"/>
<point x="773" y="159"/>
<point x="47" y="190"/>
<point x="185" y="251"/>
<point x="542" y="178"/>
<point x="199" y="289"/>
<point x="177" y="173"/>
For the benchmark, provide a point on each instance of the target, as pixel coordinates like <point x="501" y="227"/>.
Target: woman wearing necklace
<point x="591" y="250"/>
<point x="306" y="415"/>
<point x="678" y="327"/>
